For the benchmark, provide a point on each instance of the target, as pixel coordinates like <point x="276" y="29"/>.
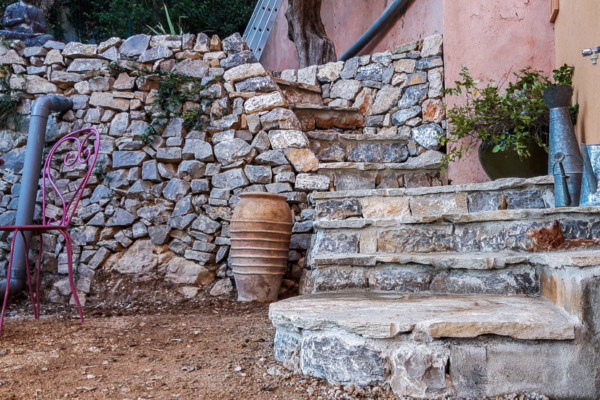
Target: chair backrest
<point x="80" y="152"/>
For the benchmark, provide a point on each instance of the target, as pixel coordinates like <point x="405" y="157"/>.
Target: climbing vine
<point x="174" y="90"/>
<point x="9" y="102"/>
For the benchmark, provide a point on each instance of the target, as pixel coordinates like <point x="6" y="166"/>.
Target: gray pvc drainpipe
<point x="32" y="166"/>
<point x="388" y="15"/>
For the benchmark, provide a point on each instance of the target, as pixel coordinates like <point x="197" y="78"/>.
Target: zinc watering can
<point x="590" y="196"/>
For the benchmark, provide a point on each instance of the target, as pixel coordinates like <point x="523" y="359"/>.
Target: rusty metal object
<point x="261" y="228"/>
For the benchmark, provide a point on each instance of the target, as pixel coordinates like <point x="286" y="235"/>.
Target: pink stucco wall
<point x="494" y="38"/>
<point x="346" y="20"/>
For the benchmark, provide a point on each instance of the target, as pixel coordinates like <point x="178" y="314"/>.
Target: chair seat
<point x="31" y="227"/>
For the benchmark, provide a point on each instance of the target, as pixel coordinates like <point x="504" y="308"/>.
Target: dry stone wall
<point x="171" y="167"/>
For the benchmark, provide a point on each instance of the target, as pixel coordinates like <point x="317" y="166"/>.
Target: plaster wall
<point x="578" y="27"/>
<point x="494" y="38"/>
<point x="346" y="20"/>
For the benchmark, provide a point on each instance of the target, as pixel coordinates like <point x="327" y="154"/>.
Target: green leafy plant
<point x="9" y="101"/>
<point x="160" y="29"/>
<point x="99" y="20"/>
<point x="504" y="121"/>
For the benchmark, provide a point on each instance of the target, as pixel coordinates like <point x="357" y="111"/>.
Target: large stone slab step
<point x="431" y="346"/>
<point x="532" y="230"/>
<point x="380" y="316"/>
<point x="364" y="202"/>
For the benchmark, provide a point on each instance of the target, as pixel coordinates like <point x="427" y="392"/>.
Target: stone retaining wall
<point x="159" y="203"/>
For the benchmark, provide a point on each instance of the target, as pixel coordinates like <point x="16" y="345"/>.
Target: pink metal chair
<point x="79" y="151"/>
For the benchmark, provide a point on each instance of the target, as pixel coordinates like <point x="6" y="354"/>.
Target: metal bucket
<point x="261" y="227"/>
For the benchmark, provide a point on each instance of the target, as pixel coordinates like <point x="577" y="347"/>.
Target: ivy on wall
<point x="98" y="20"/>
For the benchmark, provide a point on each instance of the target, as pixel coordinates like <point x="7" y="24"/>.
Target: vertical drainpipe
<point x="32" y="166"/>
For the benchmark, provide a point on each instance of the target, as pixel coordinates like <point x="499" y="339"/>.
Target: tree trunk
<point x="306" y="30"/>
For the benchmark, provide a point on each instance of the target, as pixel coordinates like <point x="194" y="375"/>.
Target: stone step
<point x="315" y="116"/>
<point x="509" y="273"/>
<point x="512" y="193"/>
<point x="300" y="93"/>
<point x="429" y="346"/>
<point x="531" y="230"/>
<point x="421" y="171"/>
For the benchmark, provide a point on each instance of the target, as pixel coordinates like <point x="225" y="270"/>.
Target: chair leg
<point x="8" y="274"/>
<point x="71" y="280"/>
<point x="26" y="258"/>
<point x="38" y="275"/>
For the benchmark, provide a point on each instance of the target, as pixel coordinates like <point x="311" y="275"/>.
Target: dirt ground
<point x="201" y="349"/>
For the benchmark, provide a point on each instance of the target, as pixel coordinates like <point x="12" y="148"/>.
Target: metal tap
<point x="592" y="54"/>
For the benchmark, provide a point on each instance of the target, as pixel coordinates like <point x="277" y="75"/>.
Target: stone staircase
<point x="351" y="158"/>
<point x="468" y="290"/>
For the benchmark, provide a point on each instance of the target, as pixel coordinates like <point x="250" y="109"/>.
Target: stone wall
<point x="157" y="208"/>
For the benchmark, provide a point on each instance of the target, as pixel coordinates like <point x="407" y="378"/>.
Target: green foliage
<point x="174" y="90"/>
<point x="160" y="29"/>
<point x="508" y="121"/>
<point x="98" y="20"/>
<point x="9" y="102"/>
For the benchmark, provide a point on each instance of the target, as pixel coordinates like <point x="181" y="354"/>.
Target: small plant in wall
<point x="514" y="121"/>
<point x="9" y="101"/>
<point x="174" y="90"/>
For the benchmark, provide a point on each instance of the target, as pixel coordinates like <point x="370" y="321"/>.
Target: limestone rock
<point x="202" y="43"/>
<point x="140" y="259"/>
<point x="108" y="100"/>
<point x="310" y="182"/>
<point x="222" y="287"/>
<point x="256" y="84"/>
<point x="330" y="72"/>
<point x="282" y="139"/>
<point x="155" y="53"/>
<point x="229" y="151"/>
<point x="176" y="189"/>
<point x="180" y="270"/>
<point x="264" y="103"/>
<point x="280" y="118"/>
<point x="258" y="173"/>
<point x="308" y="75"/>
<point x="87" y="65"/>
<point x="345" y="89"/>
<point x="121" y="217"/>
<point x="273" y="157"/>
<point x="400" y="117"/>
<point x="135" y="45"/>
<point x="194" y="68"/>
<point x="433" y="111"/>
<point x="79" y="50"/>
<point x="413" y="95"/>
<point x="243" y="72"/>
<point x="432" y="46"/>
<point x="234" y="43"/>
<point x="303" y="160"/>
<point x="428" y="135"/>
<point x="386" y="98"/>
<point x="125" y="159"/>
<point x="230" y="179"/>
<point x="406" y="65"/>
<point x="419" y="371"/>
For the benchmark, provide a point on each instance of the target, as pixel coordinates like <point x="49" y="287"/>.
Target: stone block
<point x="419" y="371"/>
<point x="326" y="356"/>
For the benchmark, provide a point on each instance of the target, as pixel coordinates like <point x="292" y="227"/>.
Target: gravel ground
<point x="203" y="349"/>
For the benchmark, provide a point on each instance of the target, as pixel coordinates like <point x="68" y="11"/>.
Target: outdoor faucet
<point x="592" y="53"/>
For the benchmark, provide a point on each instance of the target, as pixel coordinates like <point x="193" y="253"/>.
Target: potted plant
<point x="512" y="125"/>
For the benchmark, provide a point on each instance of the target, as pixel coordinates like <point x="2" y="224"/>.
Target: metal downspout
<point x="388" y="16"/>
<point x="32" y="166"/>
